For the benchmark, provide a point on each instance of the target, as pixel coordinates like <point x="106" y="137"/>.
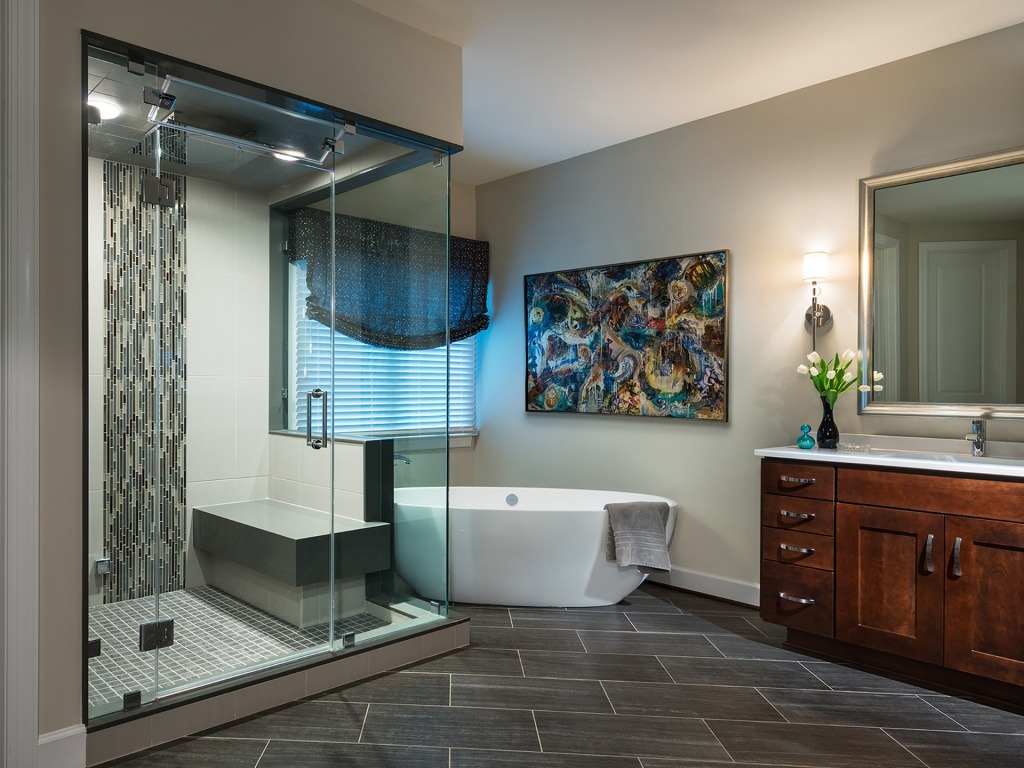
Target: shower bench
<point x="276" y="557"/>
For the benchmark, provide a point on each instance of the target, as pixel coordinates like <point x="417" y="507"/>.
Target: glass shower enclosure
<point x="240" y="504"/>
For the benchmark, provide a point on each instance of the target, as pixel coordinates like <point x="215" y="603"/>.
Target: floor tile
<point x="396" y="688"/>
<point x="871" y="710"/>
<point x="843" y="678"/>
<point x="657" y="622"/>
<point x="207" y="752"/>
<point x="529" y="693"/>
<point x="698" y="604"/>
<point x="963" y="750"/>
<point x="637" y="602"/>
<point x="450" y="727"/>
<point x="656" y="762"/>
<point x="308" y="721"/>
<point x="481" y="616"/>
<point x="811" y="745"/>
<point x="526" y="639"/>
<point x="648" y="644"/>
<point x="289" y="754"/>
<point x="737" y="625"/>
<point x="977" y="717"/>
<point x="594" y="666"/>
<point x="627" y="735"/>
<point x="469" y="758"/>
<point x="735" y="647"/>
<point x="746" y="672"/>
<point x="474" y="661"/>
<point x="705" y="701"/>
<point x="525" y="617"/>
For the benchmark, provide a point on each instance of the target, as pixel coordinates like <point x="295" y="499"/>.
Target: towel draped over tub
<point x="636" y="534"/>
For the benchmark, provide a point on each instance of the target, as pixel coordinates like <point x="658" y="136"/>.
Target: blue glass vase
<point x="828" y="432"/>
<point x="805" y="440"/>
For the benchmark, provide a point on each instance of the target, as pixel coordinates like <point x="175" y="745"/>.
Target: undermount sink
<point x="957" y="458"/>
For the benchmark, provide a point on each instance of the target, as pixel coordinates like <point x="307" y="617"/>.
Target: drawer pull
<point x="797" y="515"/>
<point x="801" y="600"/>
<point x="797" y="480"/>
<point x="801" y="550"/>
<point x="929" y="566"/>
<point x="957" y="572"/>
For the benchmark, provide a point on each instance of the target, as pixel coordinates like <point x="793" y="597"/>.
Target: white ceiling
<point x="545" y="80"/>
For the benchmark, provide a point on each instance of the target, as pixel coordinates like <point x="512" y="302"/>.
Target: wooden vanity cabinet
<point x="928" y="574"/>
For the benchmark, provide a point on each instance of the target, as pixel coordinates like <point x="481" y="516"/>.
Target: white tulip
<point x="814" y="357"/>
<point x="848" y="356"/>
<point x="849" y="376"/>
<point x="802" y="369"/>
<point x="879" y="387"/>
<point x="878" y="376"/>
<point x="830" y="375"/>
<point x="814" y="371"/>
<point x="864" y="388"/>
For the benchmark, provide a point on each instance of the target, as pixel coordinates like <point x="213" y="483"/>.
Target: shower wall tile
<point x="348" y="467"/>
<point x="350" y="505"/>
<point x="97" y="454"/>
<point x="288" y="491"/>
<point x="212" y="227"/>
<point x="315" y="468"/>
<point x="286" y="454"/>
<point x="315" y="497"/>
<point x="252" y="488"/>
<point x="211" y="428"/>
<point x="252" y="234"/>
<point x="207" y="492"/>
<point x="95" y="272"/>
<point x="252" y="420"/>
<point x="252" y="321"/>
<point x="213" y="332"/>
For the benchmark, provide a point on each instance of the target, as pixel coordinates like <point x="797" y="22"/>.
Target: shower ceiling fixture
<point x="226" y="117"/>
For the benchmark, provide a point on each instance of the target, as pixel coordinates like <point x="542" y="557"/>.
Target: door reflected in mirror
<point x="941" y="313"/>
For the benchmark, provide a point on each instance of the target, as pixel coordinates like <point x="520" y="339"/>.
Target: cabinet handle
<point x="957" y="572"/>
<point x="801" y="550"/>
<point x="801" y="600"/>
<point x="797" y="515"/>
<point x="797" y="480"/>
<point x="929" y="566"/>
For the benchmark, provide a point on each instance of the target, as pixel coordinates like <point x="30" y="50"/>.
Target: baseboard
<point x="62" y="749"/>
<point x="735" y="590"/>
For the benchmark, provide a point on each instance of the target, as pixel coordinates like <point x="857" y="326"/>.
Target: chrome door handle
<point x="801" y="550"/>
<point x="797" y="515"/>
<point x="797" y="480"/>
<point x="316" y="443"/>
<point x="929" y="566"/>
<point x="957" y="571"/>
<point x="801" y="600"/>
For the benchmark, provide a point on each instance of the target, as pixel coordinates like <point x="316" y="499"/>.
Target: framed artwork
<point x="646" y="338"/>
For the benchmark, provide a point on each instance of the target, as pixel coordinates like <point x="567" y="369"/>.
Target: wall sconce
<point x="816" y="271"/>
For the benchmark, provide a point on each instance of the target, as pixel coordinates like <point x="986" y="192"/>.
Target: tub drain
<point x="511" y="499"/>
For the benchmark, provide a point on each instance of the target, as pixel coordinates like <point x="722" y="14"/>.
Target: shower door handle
<point x="316" y="443"/>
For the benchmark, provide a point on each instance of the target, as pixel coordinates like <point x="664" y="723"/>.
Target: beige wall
<point x="768" y="182"/>
<point x="333" y="51"/>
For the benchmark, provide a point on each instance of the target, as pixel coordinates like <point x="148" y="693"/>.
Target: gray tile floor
<point x="663" y="680"/>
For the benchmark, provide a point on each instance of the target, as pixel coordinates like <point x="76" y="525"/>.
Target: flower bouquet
<point x="830" y="379"/>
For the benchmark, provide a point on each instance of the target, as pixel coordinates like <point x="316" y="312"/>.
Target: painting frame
<point x="640" y="338"/>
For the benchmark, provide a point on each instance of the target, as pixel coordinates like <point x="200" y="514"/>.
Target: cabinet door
<point x="984" y="620"/>
<point x="889" y="580"/>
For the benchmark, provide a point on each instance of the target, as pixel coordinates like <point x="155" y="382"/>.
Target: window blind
<point x="375" y="390"/>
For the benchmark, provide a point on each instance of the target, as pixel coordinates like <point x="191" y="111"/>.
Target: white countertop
<point x="933" y="455"/>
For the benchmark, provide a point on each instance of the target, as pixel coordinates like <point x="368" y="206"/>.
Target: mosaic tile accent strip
<point x="144" y="387"/>
<point x="214" y="634"/>
<point x="172" y="145"/>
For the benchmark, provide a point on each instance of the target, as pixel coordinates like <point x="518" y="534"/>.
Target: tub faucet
<point x="977" y="437"/>
<point x="403" y="458"/>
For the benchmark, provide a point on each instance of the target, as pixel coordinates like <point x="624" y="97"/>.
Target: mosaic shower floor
<point x="214" y="634"/>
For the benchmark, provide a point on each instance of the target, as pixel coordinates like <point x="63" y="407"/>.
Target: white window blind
<point x="375" y="390"/>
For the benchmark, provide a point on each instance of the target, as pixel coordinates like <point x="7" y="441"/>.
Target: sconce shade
<point x="816" y="267"/>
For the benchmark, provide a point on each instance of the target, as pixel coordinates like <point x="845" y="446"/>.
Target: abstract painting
<point x="646" y="338"/>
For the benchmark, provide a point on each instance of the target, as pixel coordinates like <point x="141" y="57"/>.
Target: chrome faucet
<point x="977" y="437"/>
<point x="402" y="458"/>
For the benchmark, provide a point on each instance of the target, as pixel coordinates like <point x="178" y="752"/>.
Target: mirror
<point x="941" y="292"/>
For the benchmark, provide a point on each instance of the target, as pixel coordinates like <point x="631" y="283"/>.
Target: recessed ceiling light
<point x="289" y="155"/>
<point x="108" y="109"/>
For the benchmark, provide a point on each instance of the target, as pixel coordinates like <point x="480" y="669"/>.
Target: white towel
<point x="637" y="533"/>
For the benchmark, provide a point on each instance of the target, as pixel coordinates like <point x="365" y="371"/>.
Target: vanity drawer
<point x="795" y="514"/>
<point x="799" y="478"/>
<point x="796" y="548"/>
<point x="811" y="586"/>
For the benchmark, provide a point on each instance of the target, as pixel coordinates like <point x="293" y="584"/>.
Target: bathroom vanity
<point x="910" y="562"/>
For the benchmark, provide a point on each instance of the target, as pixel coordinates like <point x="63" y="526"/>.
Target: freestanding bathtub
<point x="513" y="546"/>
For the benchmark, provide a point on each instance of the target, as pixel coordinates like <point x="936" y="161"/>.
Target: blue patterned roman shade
<point x="391" y="287"/>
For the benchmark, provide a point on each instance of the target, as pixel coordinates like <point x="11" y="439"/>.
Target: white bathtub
<point x="547" y="549"/>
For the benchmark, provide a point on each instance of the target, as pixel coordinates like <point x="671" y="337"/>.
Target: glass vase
<point x="828" y="432"/>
